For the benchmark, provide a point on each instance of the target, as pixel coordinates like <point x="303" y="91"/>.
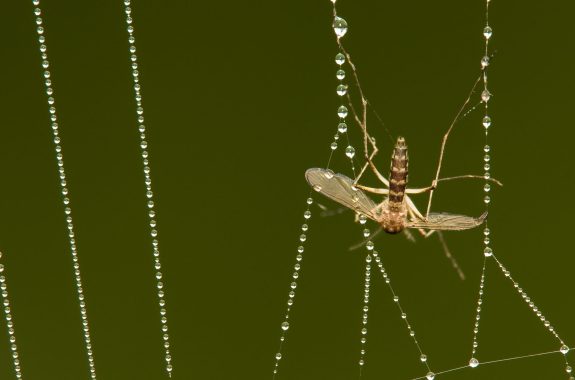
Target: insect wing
<point x="448" y="222"/>
<point x="340" y="188"/>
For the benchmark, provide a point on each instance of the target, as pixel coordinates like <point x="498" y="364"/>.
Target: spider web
<point x="493" y="271"/>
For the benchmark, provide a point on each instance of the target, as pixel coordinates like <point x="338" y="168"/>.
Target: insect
<point x="397" y="211"/>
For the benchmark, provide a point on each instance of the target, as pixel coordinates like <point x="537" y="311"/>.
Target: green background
<point x="239" y="100"/>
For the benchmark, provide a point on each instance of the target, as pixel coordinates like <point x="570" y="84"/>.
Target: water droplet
<point x="369" y="245"/>
<point x="486" y="200"/>
<point x="485" y="95"/>
<point x="342" y="127"/>
<point x="486" y="158"/>
<point x="340" y="74"/>
<point x="339" y="26"/>
<point x="487" y="32"/>
<point x="423" y="358"/>
<point x="568" y="369"/>
<point x="317" y="187"/>
<point x="340" y="59"/>
<point x="486" y="231"/>
<point x="485" y="61"/>
<point x="487" y="187"/>
<point x="302" y="237"/>
<point x="333" y="146"/>
<point x="366" y="233"/>
<point x="430" y="375"/>
<point x="342" y="90"/>
<point x="342" y="112"/>
<point x="350" y="151"/>
<point x="309" y="201"/>
<point x="362" y="219"/>
<point x="486" y="148"/>
<point x="395" y="299"/>
<point x="278" y="356"/>
<point x="285" y="326"/>
<point x="564" y="349"/>
<point x="361" y="362"/>
<point x="486" y="166"/>
<point x="307" y="214"/>
<point x="486" y="175"/>
<point x="473" y="363"/>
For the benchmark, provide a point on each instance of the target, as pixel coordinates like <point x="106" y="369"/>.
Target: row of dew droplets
<point x="365" y="310"/>
<point x="342" y="113"/>
<point x="148" y="183"/>
<point x="488" y="251"/>
<point x="485" y="96"/>
<point x="340" y="28"/>
<point x="293" y="285"/>
<point x="9" y="322"/>
<point x="63" y="185"/>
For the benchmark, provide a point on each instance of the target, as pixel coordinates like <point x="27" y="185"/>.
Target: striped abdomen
<point x="398" y="175"/>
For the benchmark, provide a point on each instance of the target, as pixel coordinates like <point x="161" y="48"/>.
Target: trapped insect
<point x="397" y="211"/>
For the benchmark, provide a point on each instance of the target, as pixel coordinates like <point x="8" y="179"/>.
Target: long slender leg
<point x="450" y="257"/>
<point x="429" y="188"/>
<point x="372" y="189"/>
<point x="444" y="140"/>
<point x="446" y="251"/>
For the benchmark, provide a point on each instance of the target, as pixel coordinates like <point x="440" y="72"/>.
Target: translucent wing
<point x="444" y="221"/>
<point x="340" y="188"/>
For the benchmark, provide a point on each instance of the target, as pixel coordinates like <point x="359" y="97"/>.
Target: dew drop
<point x="278" y="356"/>
<point x="568" y="369"/>
<point x="369" y="245"/>
<point x="340" y="59"/>
<point x="307" y="214"/>
<point x="564" y="349"/>
<point x="486" y="148"/>
<point x="487" y="32"/>
<point x="485" y="95"/>
<point x="342" y="112"/>
<point x="342" y="127"/>
<point x="285" y="326"/>
<point x="339" y="26"/>
<point x="342" y="90"/>
<point x="487" y="199"/>
<point x="317" y="187"/>
<point x="486" y="158"/>
<point x="430" y="375"/>
<point x="487" y="187"/>
<point x="423" y="358"/>
<point x="362" y="219"/>
<point x="309" y="201"/>
<point x="340" y="74"/>
<point x="350" y="151"/>
<point x="485" y="61"/>
<point x="361" y="362"/>
<point x="333" y="146"/>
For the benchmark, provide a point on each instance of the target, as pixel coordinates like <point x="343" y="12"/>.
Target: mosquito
<point x="396" y="212"/>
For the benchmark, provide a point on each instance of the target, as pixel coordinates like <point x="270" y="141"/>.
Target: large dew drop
<point x="339" y="26"/>
<point x="350" y="151"/>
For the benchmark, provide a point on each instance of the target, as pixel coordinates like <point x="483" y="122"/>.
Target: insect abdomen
<point x="398" y="175"/>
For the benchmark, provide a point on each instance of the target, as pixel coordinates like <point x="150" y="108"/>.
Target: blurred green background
<point x="239" y="100"/>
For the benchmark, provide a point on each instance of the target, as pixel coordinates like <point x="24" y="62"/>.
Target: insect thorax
<point x="392" y="216"/>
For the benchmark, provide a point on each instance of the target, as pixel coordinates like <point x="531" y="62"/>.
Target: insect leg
<point x="444" y="140"/>
<point x="372" y="189"/>
<point x="411" y="209"/>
